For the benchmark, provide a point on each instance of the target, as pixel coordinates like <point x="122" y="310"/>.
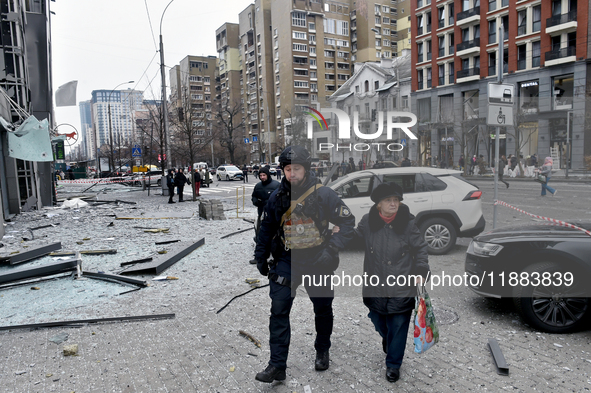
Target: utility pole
<point x="164" y="109"/>
<point x="498" y="131"/>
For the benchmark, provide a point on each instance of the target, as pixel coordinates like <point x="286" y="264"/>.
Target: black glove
<point x="263" y="267"/>
<point x="328" y="259"/>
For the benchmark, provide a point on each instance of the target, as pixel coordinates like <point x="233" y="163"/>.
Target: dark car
<point x="545" y="268"/>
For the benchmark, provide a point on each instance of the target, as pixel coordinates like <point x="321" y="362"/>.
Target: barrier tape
<point x="562" y="223"/>
<point x="101" y="181"/>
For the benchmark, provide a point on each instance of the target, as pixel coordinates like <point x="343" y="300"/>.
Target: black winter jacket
<point x="180" y="179"/>
<point x="261" y="193"/>
<point x="323" y="204"/>
<point x="395" y="249"/>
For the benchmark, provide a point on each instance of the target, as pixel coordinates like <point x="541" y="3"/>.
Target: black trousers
<point x="180" y="191"/>
<point x="279" y="325"/>
<point x="170" y="193"/>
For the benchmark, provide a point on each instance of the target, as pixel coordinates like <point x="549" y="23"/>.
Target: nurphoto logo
<point x="344" y="128"/>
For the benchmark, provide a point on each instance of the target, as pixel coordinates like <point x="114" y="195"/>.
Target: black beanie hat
<point x="265" y="170"/>
<point x="386" y="190"/>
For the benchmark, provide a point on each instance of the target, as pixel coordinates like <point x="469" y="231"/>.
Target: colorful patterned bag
<point x="426" y="330"/>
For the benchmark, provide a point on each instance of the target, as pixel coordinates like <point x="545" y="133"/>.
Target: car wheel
<point x="439" y="234"/>
<point x="552" y="309"/>
<point x="159" y="182"/>
<point x="227" y="178"/>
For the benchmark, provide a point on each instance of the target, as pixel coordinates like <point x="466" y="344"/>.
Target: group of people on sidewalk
<point x="293" y="230"/>
<point x="176" y="178"/>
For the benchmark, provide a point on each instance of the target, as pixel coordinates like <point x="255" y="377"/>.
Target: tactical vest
<point x="299" y="230"/>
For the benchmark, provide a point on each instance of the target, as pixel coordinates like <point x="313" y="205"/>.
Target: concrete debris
<point x="71" y="350"/>
<point x="211" y="209"/>
<point x="152" y="216"/>
<point x="75" y="203"/>
<point x="20" y="372"/>
<point x="59" y="338"/>
<point x="156" y="230"/>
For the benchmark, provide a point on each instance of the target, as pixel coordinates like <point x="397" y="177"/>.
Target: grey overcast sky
<point x="101" y="43"/>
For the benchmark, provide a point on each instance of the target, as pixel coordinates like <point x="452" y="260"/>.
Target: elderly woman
<point x="546" y="170"/>
<point x="395" y="248"/>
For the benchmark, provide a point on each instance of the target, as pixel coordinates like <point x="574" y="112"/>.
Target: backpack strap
<point x="298" y="201"/>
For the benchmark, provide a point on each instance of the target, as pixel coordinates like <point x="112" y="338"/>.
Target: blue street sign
<point x="255" y="138"/>
<point x="136" y="151"/>
<point x="403" y="142"/>
<point x="245" y="140"/>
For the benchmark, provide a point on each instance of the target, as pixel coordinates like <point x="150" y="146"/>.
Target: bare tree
<point x="230" y="127"/>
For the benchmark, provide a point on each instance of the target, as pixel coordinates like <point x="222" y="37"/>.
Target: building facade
<point x="455" y="55"/>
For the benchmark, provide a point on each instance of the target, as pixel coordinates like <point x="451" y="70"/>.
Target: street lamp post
<point x="164" y="109"/>
<point x="112" y="158"/>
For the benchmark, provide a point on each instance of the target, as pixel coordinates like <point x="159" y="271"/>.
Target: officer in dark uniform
<point x="260" y="195"/>
<point x="295" y="232"/>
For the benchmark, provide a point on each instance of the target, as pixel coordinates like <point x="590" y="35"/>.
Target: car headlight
<point x="484" y="249"/>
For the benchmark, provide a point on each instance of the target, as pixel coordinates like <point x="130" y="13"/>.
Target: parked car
<point x="229" y="172"/>
<point x="212" y="171"/>
<point x="445" y="205"/>
<point x="385" y="164"/>
<point x="151" y="178"/>
<point x="544" y="267"/>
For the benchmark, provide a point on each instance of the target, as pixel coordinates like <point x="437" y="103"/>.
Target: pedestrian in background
<point x="391" y="234"/>
<point x="461" y="162"/>
<point x="481" y="165"/>
<point x="260" y="195"/>
<point x="244" y="173"/>
<point x="180" y="180"/>
<point x="278" y="172"/>
<point x="501" y="168"/>
<point x="170" y="185"/>
<point x="546" y="170"/>
<point x="197" y="181"/>
<point x="405" y="162"/>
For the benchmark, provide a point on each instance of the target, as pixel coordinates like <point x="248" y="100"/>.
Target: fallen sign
<point x="83" y="321"/>
<point x="162" y="263"/>
<point x="39" y="271"/>
<point x="87" y="252"/>
<point x="32" y="253"/>
<point x="159" y="215"/>
<point x="497" y="354"/>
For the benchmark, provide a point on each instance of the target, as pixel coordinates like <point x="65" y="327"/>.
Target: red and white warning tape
<point x="562" y="223"/>
<point x="91" y="181"/>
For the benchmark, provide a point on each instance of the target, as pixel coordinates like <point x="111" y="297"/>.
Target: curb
<point x="530" y="180"/>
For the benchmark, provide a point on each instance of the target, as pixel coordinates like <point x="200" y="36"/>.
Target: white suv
<point x="445" y="205"/>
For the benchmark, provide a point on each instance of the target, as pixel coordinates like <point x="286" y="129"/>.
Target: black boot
<point x="253" y="261"/>
<point x="322" y="360"/>
<point x="270" y="374"/>
<point x="392" y="374"/>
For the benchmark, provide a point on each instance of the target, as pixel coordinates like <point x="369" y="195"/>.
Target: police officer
<point x="295" y="232"/>
<point x="260" y="195"/>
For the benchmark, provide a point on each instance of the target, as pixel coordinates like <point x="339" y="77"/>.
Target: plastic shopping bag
<point x="426" y="330"/>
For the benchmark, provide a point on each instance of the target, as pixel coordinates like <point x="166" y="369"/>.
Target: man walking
<point x="180" y="180"/>
<point x="244" y="174"/>
<point x="260" y="195"/>
<point x="295" y="232"/>
<point x="170" y="185"/>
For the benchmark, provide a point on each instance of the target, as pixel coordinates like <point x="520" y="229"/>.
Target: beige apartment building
<point x="403" y="25"/>
<point x="296" y="53"/>
<point x="194" y="94"/>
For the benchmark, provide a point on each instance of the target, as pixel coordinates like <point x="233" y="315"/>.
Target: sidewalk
<point x="557" y="176"/>
<point x="201" y="351"/>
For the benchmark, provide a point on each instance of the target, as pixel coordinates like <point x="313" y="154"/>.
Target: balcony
<point x="468" y="47"/>
<point x="562" y="23"/>
<point x="469" y="74"/>
<point x="468" y="16"/>
<point x="562" y="55"/>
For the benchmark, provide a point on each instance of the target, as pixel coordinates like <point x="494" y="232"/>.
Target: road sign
<point x="500" y="115"/>
<point x="255" y="138"/>
<point x="501" y="93"/>
<point x="403" y="142"/>
<point x="245" y="140"/>
<point x="136" y="151"/>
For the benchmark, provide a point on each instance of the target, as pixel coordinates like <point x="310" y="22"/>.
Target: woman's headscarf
<point x="548" y="160"/>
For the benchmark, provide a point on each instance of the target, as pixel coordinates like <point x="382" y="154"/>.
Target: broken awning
<point x="30" y="141"/>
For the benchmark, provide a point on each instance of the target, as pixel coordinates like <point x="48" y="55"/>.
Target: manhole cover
<point x="445" y="317"/>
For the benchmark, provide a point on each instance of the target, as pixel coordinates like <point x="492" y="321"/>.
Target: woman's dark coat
<point x="391" y="250"/>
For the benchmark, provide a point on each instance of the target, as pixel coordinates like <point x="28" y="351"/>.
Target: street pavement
<point x="201" y="351"/>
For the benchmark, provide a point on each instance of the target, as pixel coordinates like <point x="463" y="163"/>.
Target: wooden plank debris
<point x="162" y="263"/>
<point x="87" y="252"/>
<point x="143" y="260"/>
<point x="157" y="215"/>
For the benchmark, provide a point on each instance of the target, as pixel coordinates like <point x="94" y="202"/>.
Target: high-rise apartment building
<point x="195" y="97"/>
<point x="123" y="104"/>
<point x="455" y="54"/>
<point x="403" y="25"/>
<point x="87" y="139"/>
